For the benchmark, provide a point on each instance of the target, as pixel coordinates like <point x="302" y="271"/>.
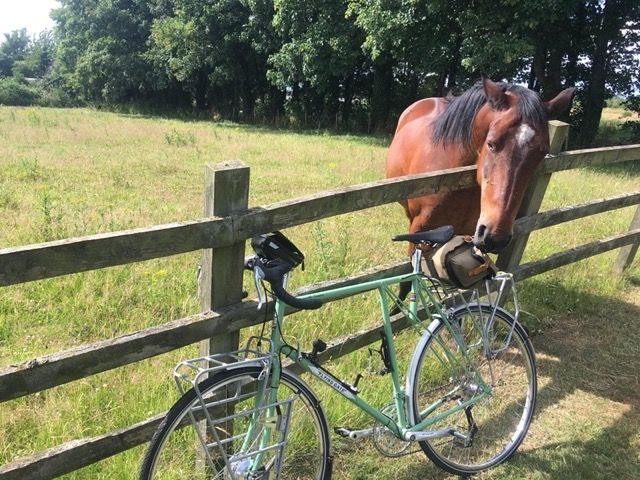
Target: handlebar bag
<point x="459" y="263"/>
<point x="275" y="246"/>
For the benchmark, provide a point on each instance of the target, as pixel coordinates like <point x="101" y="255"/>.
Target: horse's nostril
<point x="481" y="231"/>
<point x="496" y="244"/>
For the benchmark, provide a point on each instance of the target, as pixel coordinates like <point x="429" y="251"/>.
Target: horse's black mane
<point x="454" y="125"/>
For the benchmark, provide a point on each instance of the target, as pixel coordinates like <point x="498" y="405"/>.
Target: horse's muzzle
<point x="490" y="243"/>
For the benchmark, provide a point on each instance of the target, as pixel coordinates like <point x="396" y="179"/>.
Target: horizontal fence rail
<point x="63" y="257"/>
<point x="37" y="262"/>
<point x="575" y="254"/>
<point x="564" y="214"/>
<point x="53" y="370"/>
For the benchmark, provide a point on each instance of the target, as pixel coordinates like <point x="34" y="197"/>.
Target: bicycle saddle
<point x="437" y="235"/>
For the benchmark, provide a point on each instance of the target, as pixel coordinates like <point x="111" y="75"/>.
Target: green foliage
<point x="319" y="58"/>
<point x="101" y="45"/>
<point x="343" y="64"/>
<point x="13" y="92"/>
<point x="39" y="57"/>
<point x="617" y="133"/>
<point x="13" y="48"/>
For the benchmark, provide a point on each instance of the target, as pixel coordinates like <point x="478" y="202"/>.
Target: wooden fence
<point x="221" y="234"/>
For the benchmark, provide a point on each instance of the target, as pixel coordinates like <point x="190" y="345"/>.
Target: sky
<point x="30" y="14"/>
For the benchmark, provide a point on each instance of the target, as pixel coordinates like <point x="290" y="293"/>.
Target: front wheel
<point x="441" y="377"/>
<point x="250" y="434"/>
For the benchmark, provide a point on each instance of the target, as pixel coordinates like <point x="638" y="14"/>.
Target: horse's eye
<point x="491" y="146"/>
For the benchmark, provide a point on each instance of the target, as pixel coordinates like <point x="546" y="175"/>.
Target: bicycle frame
<point x="421" y="298"/>
<point x="453" y="344"/>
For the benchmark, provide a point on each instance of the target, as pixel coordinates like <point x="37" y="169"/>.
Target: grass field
<point x="75" y="172"/>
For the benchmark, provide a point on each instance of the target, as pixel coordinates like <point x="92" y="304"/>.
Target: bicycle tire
<point x="172" y="452"/>
<point x="503" y="418"/>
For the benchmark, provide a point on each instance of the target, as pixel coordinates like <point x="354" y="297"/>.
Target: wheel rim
<point x="503" y="418"/>
<point x="304" y="450"/>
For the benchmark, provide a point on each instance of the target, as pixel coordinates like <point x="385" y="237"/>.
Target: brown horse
<point x="502" y="129"/>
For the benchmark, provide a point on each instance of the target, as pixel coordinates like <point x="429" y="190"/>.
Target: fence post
<point x="628" y="252"/>
<point x="220" y="280"/>
<point x="510" y="257"/>
<point x="226" y="191"/>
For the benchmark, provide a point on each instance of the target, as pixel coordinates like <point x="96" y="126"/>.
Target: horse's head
<point x="514" y="120"/>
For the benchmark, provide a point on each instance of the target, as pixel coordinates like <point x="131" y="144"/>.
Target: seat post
<point x="416" y="258"/>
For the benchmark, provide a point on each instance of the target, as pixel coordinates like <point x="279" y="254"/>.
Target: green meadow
<point x="67" y="173"/>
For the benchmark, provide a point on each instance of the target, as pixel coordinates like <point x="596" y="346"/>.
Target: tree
<point x="39" y="57"/>
<point x="319" y="60"/>
<point x="101" y="45"/>
<point x="14" y="48"/>
<point x="612" y="51"/>
<point x="414" y="47"/>
<point x="216" y="50"/>
<point x="330" y="61"/>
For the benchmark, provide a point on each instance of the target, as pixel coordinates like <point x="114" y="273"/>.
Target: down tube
<point x="340" y="387"/>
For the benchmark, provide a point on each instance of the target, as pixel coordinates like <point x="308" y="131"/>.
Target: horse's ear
<point x="560" y="103"/>
<point x="494" y="93"/>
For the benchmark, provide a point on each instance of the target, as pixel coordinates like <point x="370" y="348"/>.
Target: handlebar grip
<point x="299" y="303"/>
<point x="274" y="274"/>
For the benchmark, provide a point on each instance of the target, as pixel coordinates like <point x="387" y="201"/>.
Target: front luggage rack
<point x="241" y="428"/>
<point x="189" y="373"/>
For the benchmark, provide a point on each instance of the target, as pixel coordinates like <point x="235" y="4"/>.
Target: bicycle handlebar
<point x="274" y="273"/>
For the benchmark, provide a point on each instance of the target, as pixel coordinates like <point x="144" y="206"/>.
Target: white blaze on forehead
<point x="524" y="134"/>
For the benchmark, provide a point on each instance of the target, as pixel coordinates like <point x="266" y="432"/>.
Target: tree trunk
<point x="612" y="22"/>
<point x="577" y="28"/>
<point x="554" y="74"/>
<point x="382" y="94"/>
<point x="346" y="106"/>
<point x="454" y="64"/>
<point x="538" y="67"/>
<point x="202" y="87"/>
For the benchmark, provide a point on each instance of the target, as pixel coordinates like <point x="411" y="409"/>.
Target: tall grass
<point x="76" y="172"/>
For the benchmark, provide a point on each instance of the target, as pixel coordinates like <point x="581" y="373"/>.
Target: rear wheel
<point x="246" y="442"/>
<point x="490" y="430"/>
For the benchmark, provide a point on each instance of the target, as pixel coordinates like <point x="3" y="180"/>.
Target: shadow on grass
<point x="587" y="421"/>
<point x="186" y="116"/>
<point x="630" y="169"/>
<point x="589" y="360"/>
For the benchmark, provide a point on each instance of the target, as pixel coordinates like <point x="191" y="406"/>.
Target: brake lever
<point x="258" y="276"/>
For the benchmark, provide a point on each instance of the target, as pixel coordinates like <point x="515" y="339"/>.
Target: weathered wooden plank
<point x="73" y="255"/>
<point x="57" y="369"/>
<point x="76" y="454"/>
<point x="589" y="158"/>
<point x="574" y="212"/>
<point x="221" y="271"/>
<point x="52" y="370"/>
<point x="628" y="252"/>
<point x="575" y="254"/>
<point x="344" y="200"/>
<point x="35" y="262"/>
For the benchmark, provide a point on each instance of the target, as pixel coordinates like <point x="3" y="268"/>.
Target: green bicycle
<point x="467" y="400"/>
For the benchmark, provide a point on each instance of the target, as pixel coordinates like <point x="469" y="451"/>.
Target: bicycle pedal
<point x="353" y="434"/>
